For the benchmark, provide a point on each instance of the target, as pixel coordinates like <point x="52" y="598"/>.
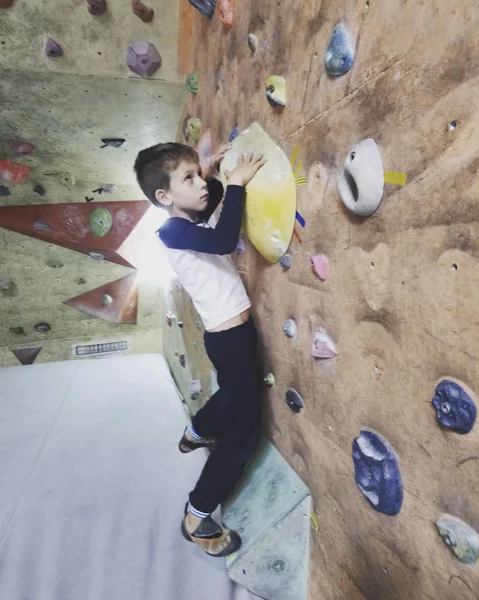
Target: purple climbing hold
<point x="234" y="134"/>
<point x="143" y="58"/>
<point x="294" y="400"/>
<point x="377" y="473"/>
<point x="4" y="191"/>
<point x="53" y="49"/>
<point x="41" y="226"/>
<point x="22" y="148"/>
<point x="205" y="7"/>
<point x="241" y="247"/>
<point x="323" y="345"/>
<point x="455" y="409"/>
<point x="285" y="261"/>
<point x="96" y="7"/>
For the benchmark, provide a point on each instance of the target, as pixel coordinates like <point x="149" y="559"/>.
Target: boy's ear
<point x="163" y="198"/>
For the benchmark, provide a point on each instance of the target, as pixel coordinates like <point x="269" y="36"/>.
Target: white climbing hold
<point x="323" y="345"/>
<point x="290" y="328"/>
<point x="361" y="184"/>
<point x="320" y="265"/>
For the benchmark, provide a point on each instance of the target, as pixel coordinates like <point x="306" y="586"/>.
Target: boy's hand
<point x="246" y="169"/>
<point x="214" y="169"/>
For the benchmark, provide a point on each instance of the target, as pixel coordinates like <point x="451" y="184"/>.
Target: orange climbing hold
<point x="13" y="172"/>
<point x="225" y="10"/>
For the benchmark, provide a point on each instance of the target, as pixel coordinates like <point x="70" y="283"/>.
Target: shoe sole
<point x="233" y="546"/>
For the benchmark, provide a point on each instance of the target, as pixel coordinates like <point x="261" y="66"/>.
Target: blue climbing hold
<point x="4" y="191"/>
<point x="455" y="409"/>
<point x="340" y="52"/>
<point x="377" y="472"/>
<point x="294" y="400"/>
<point x="233" y="134"/>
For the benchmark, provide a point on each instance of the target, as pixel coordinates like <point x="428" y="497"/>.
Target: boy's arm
<point x="181" y="234"/>
<point x="215" y="195"/>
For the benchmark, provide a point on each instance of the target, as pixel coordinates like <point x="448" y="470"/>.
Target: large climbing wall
<point x="63" y="107"/>
<point x="400" y="298"/>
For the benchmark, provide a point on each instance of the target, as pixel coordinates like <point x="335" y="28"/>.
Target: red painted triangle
<point x="27" y="356"/>
<point x="123" y="308"/>
<point x="68" y="225"/>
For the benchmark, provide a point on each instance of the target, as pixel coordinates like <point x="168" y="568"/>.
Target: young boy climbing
<point x="230" y="422"/>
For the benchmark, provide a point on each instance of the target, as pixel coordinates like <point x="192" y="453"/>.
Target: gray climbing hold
<point x="290" y="328"/>
<point x="54" y="264"/>
<point x="340" y="52"/>
<point x="143" y="58"/>
<point x="43" y="327"/>
<point x="361" y="184"/>
<point x="285" y="261"/>
<point x="182" y="360"/>
<point x="97" y="255"/>
<point x="194" y="387"/>
<point x="294" y="400"/>
<point x="52" y="49"/>
<point x="38" y="189"/>
<point x="455" y="409"/>
<point x="113" y="142"/>
<point x="462" y="539"/>
<point x="8" y="287"/>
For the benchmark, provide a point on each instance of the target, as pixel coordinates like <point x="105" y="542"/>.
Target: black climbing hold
<point x="182" y="360"/>
<point x="17" y="330"/>
<point x="377" y="472"/>
<point x="43" y="327"/>
<point x="180" y="324"/>
<point x="4" y="191"/>
<point x="455" y="409"/>
<point x="38" y="189"/>
<point x="41" y="226"/>
<point x="205" y="7"/>
<point x="54" y="264"/>
<point x="113" y="142"/>
<point x="96" y="7"/>
<point x="81" y="280"/>
<point x="294" y="400"/>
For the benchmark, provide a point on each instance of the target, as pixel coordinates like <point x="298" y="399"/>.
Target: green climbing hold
<point x="462" y="539"/>
<point x="101" y="221"/>
<point x="191" y="83"/>
<point x="269" y="379"/>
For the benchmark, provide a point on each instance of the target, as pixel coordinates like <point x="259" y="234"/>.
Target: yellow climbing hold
<point x="271" y="195"/>
<point x="194" y="128"/>
<point x="314" y="520"/>
<point x="395" y="178"/>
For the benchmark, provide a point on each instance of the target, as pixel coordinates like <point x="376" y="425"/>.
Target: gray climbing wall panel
<point x="270" y="511"/>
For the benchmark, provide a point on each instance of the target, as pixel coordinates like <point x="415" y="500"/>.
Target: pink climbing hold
<point x="96" y="7"/>
<point x="320" y="265"/>
<point x="22" y="148"/>
<point x="323" y="345"/>
<point x="205" y="151"/>
<point x="52" y="49"/>
<point x="13" y="172"/>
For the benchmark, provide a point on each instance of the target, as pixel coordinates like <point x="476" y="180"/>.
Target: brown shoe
<point x="187" y="445"/>
<point x="212" y="538"/>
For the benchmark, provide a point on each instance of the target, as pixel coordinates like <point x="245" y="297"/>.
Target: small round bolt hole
<point x="454" y="267"/>
<point x="372" y="265"/>
<point x="452" y="125"/>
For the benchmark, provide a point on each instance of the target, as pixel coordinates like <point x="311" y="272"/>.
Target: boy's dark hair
<point x="154" y="165"/>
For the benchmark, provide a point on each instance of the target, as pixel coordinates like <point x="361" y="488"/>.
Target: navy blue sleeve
<point x="215" y="195"/>
<point x="182" y="234"/>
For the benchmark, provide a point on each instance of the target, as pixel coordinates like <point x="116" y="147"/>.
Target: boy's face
<point x="188" y="193"/>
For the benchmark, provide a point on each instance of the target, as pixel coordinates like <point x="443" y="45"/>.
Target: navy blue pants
<point x="232" y="414"/>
